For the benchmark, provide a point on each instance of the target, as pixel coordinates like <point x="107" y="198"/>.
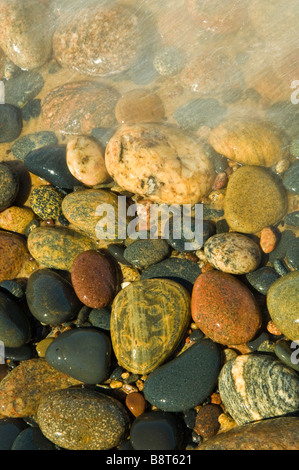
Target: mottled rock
<point x="23" y="88"/>
<point x="138" y="106"/>
<point x="280" y="250"/>
<point x="292" y="254"/>
<point x="206" y="422"/>
<point x="82" y="419"/>
<point x="136" y="154"/>
<point x="16" y="219"/>
<point x="224" y="309"/>
<point x="143" y="253"/>
<point x="258" y="386"/>
<point x="268" y="239"/>
<point x="169" y="61"/>
<point x="45" y="201"/>
<point x="10" y="123"/>
<point x="13" y="254"/>
<point x="15" y="329"/>
<point x="292" y="219"/>
<point x="9" y="186"/>
<point x="254" y="200"/>
<point x="29" y="142"/>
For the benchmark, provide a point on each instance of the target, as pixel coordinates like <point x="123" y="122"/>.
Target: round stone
<point x="9" y="186"/>
<point x="85" y="160"/>
<point x="283" y="305"/>
<point x="258" y="386"/>
<point x="291" y="178"/>
<point x="45" y="201"/>
<point x="232" y="253"/>
<point x="138" y="106"/>
<point x="10" y="123"/>
<point x="100" y="318"/>
<point x="292" y="254"/>
<point x="254" y="200"/>
<point x="81" y="353"/>
<point x="224" y="309"/>
<point x="187" y="173"/>
<point x="169" y="61"/>
<point x="82" y="419"/>
<point x="29" y="142"/>
<point x="280" y="250"/>
<point x="206" y="422"/>
<point x="13" y="255"/>
<point x="143" y="253"/>
<point x="10" y="428"/>
<point x="16" y="219"/>
<point x="262" y="279"/>
<point x="14" y="324"/>
<point x="145" y="333"/>
<point x="32" y="439"/>
<point x="288" y="353"/>
<point x="94" y="279"/>
<point x="187" y="380"/>
<point x="22" y="88"/>
<point x="51" y="298"/>
<point x="136" y="403"/>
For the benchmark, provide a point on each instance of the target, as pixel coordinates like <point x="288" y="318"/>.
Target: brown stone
<point x="206" y="422"/>
<point x="139" y="106"/>
<point x="135" y="402"/>
<point x="13" y="253"/>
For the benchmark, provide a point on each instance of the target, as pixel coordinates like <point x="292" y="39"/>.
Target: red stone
<point x="224" y="308"/>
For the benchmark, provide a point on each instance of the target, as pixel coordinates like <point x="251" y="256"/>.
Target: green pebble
<point x="144" y="253"/>
<point x="288" y="352"/>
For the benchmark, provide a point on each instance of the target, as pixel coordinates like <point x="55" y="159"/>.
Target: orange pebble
<point x="135" y="402"/>
<point x="268" y="240"/>
<point x="207" y="267"/>
<point x="272" y="328"/>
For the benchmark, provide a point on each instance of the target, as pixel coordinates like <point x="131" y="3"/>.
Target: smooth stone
<point x="117" y="252"/>
<point x="16" y="219"/>
<point x="169" y="61"/>
<point x="258" y="386"/>
<point x="250" y="142"/>
<point x="57" y="247"/>
<point x="136" y="403"/>
<point x="138" y="106"/>
<point x="269" y="434"/>
<point x="285" y="116"/>
<point x="287" y="352"/>
<point x="29" y="142"/>
<point x="200" y="112"/>
<point x="32" y="439"/>
<point x="22" y="353"/>
<point x="224" y="309"/>
<point x="45" y="201"/>
<point x="206" y="422"/>
<point x="294" y="147"/>
<point x="94" y="278"/>
<point x="232" y="253"/>
<point x="182" y="271"/>
<point x="100" y="318"/>
<point x="254" y="200"/>
<point x="283" y="305"/>
<point x="86" y="161"/>
<point x="190" y="239"/>
<point x="292" y="254"/>
<point x="279" y="252"/>
<point x="22" y="88"/>
<point x="81" y="353"/>
<point x="79" y="107"/>
<point x="50" y="164"/>
<point x="258" y="341"/>
<point x="291" y="178"/>
<point x="32" y="110"/>
<point x="262" y="279"/>
<point x="155" y="430"/>
<point x="43" y="345"/>
<point x="23" y="388"/>
<point x="11" y="123"/>
<point x="13" y="255"/>
<point x="292" y="219"/>
<point x="280" y="267"/>
<point x="9" y="186"/>
<point x="10" y="428"/>
<point x="82" y="419"/>
<point x="148" y="320"/>
<point x="144" y="253"/>
<point x="14" y="287"/>
<point x="187" y="380"/>
<point x="187" y="172"/>
<point x="15" y="328"/>
<point x="51" y="298"/>
<point x="26" y="45"/>
<point x="219" y="162"/>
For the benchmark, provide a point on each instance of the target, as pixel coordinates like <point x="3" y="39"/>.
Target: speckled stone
<point x="144" y="253"/>
<point x="206" y="421"/>
<point x="16" y="219"/>
<point x="51" y="298"/>
<point x="9" y="186"/>
<point x="283" y="305"/>
<point x="32" y="110"/>
<point x="145" y="332"/>
<point x="82" y="419"/>
<point x="45" y="201"/>
<point x="187" y="173"/>
<point x="262" y="279"/>
<point x="23" y="388"/>
<point x="15" y="328"/>
<point x="26" y="49"/>
<point x="291" y="178"/>
<point x="94" y="279"/>
<point x="137" y="106"/>
<point x="224" y="309"/>
<point x="232" y="253"/>
<point x="13" y="254"/>
<point x="57" y="247"/>
<point x="187" y="380"/>
<point x="29" y="142"/>
<point x="268" y="239"/>
<point x="268" y="434"/>
<point x="79" y="107"/>
<point x="169" y="61"/>
<point x="292" y="254"/>
<point x="248" y="206"/>
<point x="258" y="386"/>
<point x="10" y="123"/>
<point x="22" y="88"/>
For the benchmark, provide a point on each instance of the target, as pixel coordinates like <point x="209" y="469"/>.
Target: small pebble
<point x="272" y="328"/>
<point x="287" y="352"/>
<point x="292" y="219"/>
<point x="255" y="343"/>
<point x="144" y="253"/>
<point x="32" y="110"/>
<point x="22" y="146"/>
<point x="280" y="267"/>
<point x="292" y="254"/>
<point x="169" y="61"/>
<point x="100" y="318"/>
<point x="138" y="106"/>
<point x="22" y="88"/>
<point x="280" y="250"/>
<point x="45" y="201"/>
<point x="9" y="185"/>
<point x="136" y="403"/>
<point x="15" y="330"/>
<point x="206" y="423"/>
<point x="42" y="346"/>
<point x="291" y="178"/>
<point x="262" y="279"/>
<point x="16" y="219"/>
<point x="13" y="255"/>
<point x="268" y="240"/>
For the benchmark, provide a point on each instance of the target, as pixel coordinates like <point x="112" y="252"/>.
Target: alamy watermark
<point x="2" y="92"/>
<point x="295" y="94"/>
<point x="2" y="353"/>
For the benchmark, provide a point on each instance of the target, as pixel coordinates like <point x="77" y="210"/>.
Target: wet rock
<point x="262" y="279"/>
<point x="29" y="142"/>
<point x="100" y="318"/>
<point x="143" y="253"/>
<point x="15" y="328"/>
<point x="32" y="439"/>
<point x="23" y="88"/>
<point x="280" y="250"/>
<point x="292" y="254"/>
<point x="32" y="110"/>
<point x="16" y="219"/>
<point x="10" y="123"/>
<point x="206" y="422"/>
<point x="10" y="428"/>
<point x="169" y="61"/>
<point x="291" y="178"/>
<point x="138" y="106"/>
<point x="200" y="112"/>
<point x="13" y="255"/>
<point x="45" y="201"/>
<point x="292" y="219"/>
<point x="9" y="186"/>
<point x="268" y="239"/>
<point x="136" y="403"/>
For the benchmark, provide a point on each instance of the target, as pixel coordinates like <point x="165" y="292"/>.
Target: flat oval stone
<point x="29" y="142"/>
<point x="32" y="439"/>
<point x="15" y="328"/>
<point x="10" y="428"/>
<point x="94" y="279"/>
<point x="16" y="219"/>
<point x="79" y="107"/>
<point x="57" y="247"/>
<point x="283" y="305"/>
<point x="51" y="298"/>
<point x="292" y="254"/>
<point x="143" y="253"/>
<point x="291" y="178"/>
<point x="187" y="380"/>
<point x="86" y="161"/>
<point x="268" y="434"/>
<point x="9" y="186"/>
<point x="232" y="253"/>
<point x="187" y="173"/>
<point x="81" y="353"/>
<point x="262" y="279"/>
<point x="258" y="386"/>
<point x="254" y="200"/>
<point x="137" y="106"/>
<point x="224" y="309"/>
<point x="148" y="320"/>
<point x="82" y="419"/>
<point x="45" y="201"/>
<point x="13" y="255"/>
<point x="11" y="123"/>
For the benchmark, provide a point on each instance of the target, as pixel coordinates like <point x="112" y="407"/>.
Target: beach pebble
<point x="138" y="106"/>
<point x="232" y="253"/>
<point x="248" y="206"/>
<point x="13" y="255"/>
<point x="82" y="419"/>
<point x="206" y="421"/>
<point x="280" y="250"/>
<point x="169" y="61"/>
<point x="292" y="254"/>
<point x="268" y="240"/>
<point x="16" y="219"/>
<point x="200" y="112"/>
<point x="94" y="279"/>
<point x="291" y="178"/>
<point x="45" y="201"/>
<point x="145" y="333"/>
<point x="86" y="161"/>
<point x="144" y="253"/>
<point x="32" y="110"/>
<point x="187" y="380"/>
<point x="32" y="439"/>
<point x="10" y="123"/>
<point x="24" y="87"/>
<point x="262" y="279"/>
<point x="136" y="154"/>
<point x="224" y="309"/>
<point x="100" y="318"/>
<point x="136" y="403"/>
<point x="9" y="186"/>
<point x="292" y="219"/>
<point x="29" y="142"/>
<point x="15" y="330"/>
<point x="258" y="386"/>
